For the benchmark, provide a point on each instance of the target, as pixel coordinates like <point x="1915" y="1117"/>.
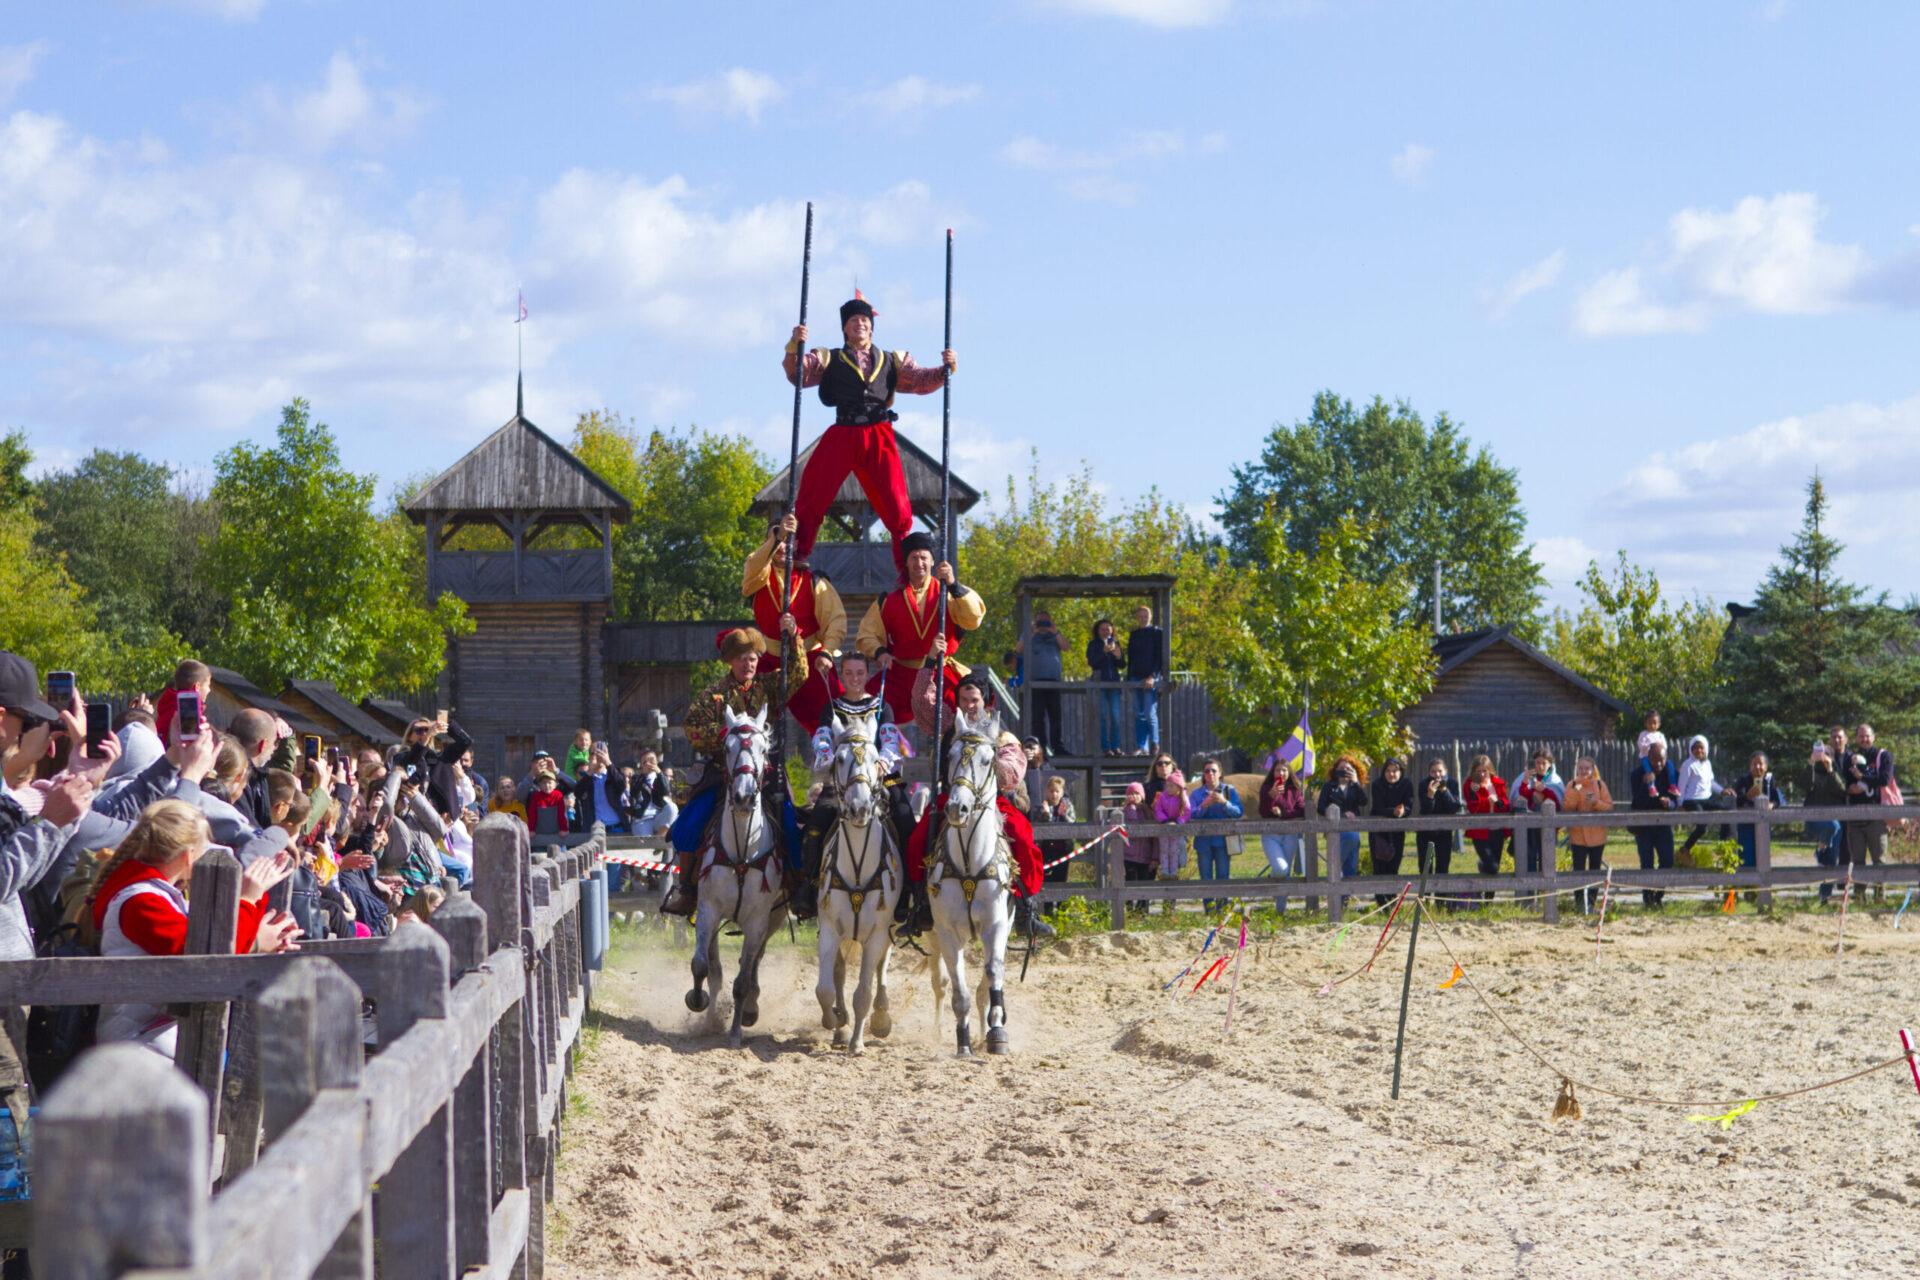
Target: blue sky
<point x="1665" y="259"/>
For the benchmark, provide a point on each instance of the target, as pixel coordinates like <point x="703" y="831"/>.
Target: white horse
<point x="741" y="878"/>
<point x="968" y="881"/>
<point x="861" y="878"/>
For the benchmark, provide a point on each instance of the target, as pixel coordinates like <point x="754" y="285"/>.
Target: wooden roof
<point x="518" y="468"/>
<point x="351" y="718"/>
<point x="922" y="472"/>
<point x="244" y="690"/>
<point x="1454" y="650"/>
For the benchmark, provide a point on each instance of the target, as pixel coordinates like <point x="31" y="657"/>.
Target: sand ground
<point x="1129" y="1135"/>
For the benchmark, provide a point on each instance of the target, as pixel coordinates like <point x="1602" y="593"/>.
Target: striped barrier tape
<point x="1116" y="829"/>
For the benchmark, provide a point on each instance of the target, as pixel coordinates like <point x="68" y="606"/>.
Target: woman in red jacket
<point x="139" y="909"/>
<point x="1486" y="793"/>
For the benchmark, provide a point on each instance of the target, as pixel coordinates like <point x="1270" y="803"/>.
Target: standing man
<point x="898" y="632"/>
<point x="744" y="690"/>
<point x="810" y="598"/>
<point x="1146" y="665"/>
<point x="1865" y="770"/>
<point x="1656" y="789"/>
<point x="1041" y="650"/>
<point x="858" y="382"/>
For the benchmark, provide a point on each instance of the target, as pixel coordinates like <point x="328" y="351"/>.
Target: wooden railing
<point x="456" y="1116"/>
<point x="1323" y="877"/>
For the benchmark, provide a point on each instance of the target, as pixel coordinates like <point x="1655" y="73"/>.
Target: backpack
<point x="57" y="1034"/>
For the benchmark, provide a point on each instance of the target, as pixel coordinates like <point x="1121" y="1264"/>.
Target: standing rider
<point x="898" y="631"/>
<point x="858" y="381"/>
<point x="744" y="690"/>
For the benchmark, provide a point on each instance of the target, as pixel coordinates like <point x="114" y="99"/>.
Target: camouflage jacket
<point x="706" y="721"/>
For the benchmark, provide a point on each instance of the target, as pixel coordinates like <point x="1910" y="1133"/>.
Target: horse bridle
<point x="996" y="868"/>
<point x="745" y="733"/>
<point x="857" y="746"/>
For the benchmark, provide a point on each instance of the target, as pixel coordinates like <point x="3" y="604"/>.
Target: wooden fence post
<point x="1117" y="873"/>
<point x="309" y="1029"/>
<point x="241" y="1098"/>
<point x="1763" y="851"/>
<point x="500" y="864"/>
<point x="1336" y="900"/>
<point x="213" y="918"/>
<point x="1310" y="846"/>
<point x="120" y="1168"/>
<point x="1550" y="861"/>
<point x="464" y="926"/>
<point x="415" y="1208"/>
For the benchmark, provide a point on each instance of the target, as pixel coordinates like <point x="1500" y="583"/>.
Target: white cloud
<point x="1411" y="164"/>
<point x="231" y="10"/>
<point x="1541" y="275"/>
<point x="1153" y="13"/>
<point x="913" y="94"/>
<point x="17" y="65"/>
<point x="736" y="94"/>
<point x="1563" y="560"/>
<point x="1763" y="255"/>
<point x="1711" y="516"/>
<point x="1101" y="175"/>
<point x="1773" y="10"/>
<point x="341" y="111"/>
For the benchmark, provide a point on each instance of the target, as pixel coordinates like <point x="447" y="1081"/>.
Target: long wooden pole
<point x="1406" y="983"/>
<point x="793" y="489"/>
<point x="946" y="516"/>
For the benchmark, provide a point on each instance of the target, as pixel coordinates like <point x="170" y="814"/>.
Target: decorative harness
<point x="997" y="868"/>
<point x="739" y="743"/>
<point x="857" y="745"/>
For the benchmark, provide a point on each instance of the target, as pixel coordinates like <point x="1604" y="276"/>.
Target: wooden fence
<point x="435" y="1154"/>
<point x="1323" y="877"/>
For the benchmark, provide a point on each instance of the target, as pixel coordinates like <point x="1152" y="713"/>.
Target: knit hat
<point x="1136" y="794"/>
<point x="1176" y="781"/>
<point x="740" y="640"/>
<point x="857" y="306"/>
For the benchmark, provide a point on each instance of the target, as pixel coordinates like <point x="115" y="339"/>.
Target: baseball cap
<point x="20" y="687"/>
<point x="1030" y="741"/>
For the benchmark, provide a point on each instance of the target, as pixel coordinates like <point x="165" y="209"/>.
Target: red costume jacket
<point x="1019" y="833"/>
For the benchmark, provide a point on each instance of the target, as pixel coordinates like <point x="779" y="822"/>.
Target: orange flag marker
<point x="1458" y="973"/>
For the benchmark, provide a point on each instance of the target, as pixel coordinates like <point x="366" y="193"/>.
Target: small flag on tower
<point x="523" y="307"/>
<point x="1297" y="751"/>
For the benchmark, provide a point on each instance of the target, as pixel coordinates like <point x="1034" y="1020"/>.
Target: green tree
<point x="1426" y="494"/>
<point x="1651" y="654"/>
<point x="1318" y="628"/>
<point x="1068" y="528"/>
<point x="320" y="586"/>
<point x="680" y="556"/>
<point x="134" y="540"/>
<point x="1816" y="650"/>
<point x="16" y="491"/>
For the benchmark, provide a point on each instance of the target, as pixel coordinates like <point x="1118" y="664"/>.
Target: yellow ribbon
<point x="1458" y="973"/>
<point x="1726" y="1121"/>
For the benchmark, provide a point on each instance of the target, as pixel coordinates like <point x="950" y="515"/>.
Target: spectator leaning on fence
<point x="1107" y="664"/>
<point x="1587" y="793"/>
<point x="1655" y="787"/>
<point x="1140" y="858"/>
<point x="1214" y="800"/>
<point x="1055" y="807"/>
<point x="1345" y="797"/>
<point x="1754" y="789"/>
<point x="1439" y="797"/>
<point x="1534" y="790"/>
<point x="1699" y="789"/>
<point x="1826" y="790"/>
<point x="1171" y="806"/>
<point x="1869" y="777"/>
<point x="1282" y="799"/>
<point x="1487" y="794"/>
<point x="1392" y="797"/>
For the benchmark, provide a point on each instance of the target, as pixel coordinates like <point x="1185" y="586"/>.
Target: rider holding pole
<point x="746" y="689"/>
<point x="899" y="631"/>
<point x="858" y="382"/>
<point x="809" y="597"/>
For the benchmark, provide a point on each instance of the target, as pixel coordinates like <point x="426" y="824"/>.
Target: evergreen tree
<point x="1816" y="650"/>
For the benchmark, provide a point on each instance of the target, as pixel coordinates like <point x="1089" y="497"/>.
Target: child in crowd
<point x="579" y="752"/>
<point x="546" y="796"/>
<point x="1282" y="799"/>
<point x="1140" y="856"/>
<point x="1486" y="793"/>
<point x="1651" y="734"/>
<point x="1754" y="790"/>
<point x="1171" y="806"/>
<point x="1698" y="789"/>
<point x="1539" y="786"/>
<point x="1055" y="807"/>
<point x="1587" y="793"/>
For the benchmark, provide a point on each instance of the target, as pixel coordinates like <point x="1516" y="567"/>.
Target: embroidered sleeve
<point x="704" y="723"/>
<point x="810" y="368"/>
<point x="916" y="381"/>
<point x="830" y="614"/>
<point x="873" y="632"/>
<point x="966" y="609"/>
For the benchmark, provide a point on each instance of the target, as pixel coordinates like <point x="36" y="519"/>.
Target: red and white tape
<point x="1074" y="853"/>
<point x="634" y="860"/>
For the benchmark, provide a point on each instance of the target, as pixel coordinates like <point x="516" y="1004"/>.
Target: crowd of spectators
<point x="1136" y="667"/>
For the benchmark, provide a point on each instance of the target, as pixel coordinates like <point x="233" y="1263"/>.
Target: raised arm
<point x="810" y="365"/>
<point x="917" y="381"/>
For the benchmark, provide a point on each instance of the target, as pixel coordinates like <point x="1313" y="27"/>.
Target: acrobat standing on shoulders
<point x="901" y="632"/>
<point x="858" y="381"/>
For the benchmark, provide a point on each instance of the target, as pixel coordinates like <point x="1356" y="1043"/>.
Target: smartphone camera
<point x="60" y="689"/>
<point x="187" y="705"/>
<point x="311" y="747"/>
<point x="99" y="725"/>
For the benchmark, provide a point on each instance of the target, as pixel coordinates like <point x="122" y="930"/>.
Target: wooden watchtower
<point x="531" y="672"/>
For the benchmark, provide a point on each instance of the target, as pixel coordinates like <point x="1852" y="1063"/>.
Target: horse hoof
<point x="748" y="1016"/>
<point x="997" y="1040"/>
<point x="880" y="1024"/>
<point x="733" y="1041"/>
<point x="697" y="1000"/>
<point x="964" y="1051"/>
<point x="839" y="1039"/>
<point x="856" y="1049"/>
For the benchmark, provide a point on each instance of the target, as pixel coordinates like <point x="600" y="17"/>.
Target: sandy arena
<point x="1128" y="1136"/>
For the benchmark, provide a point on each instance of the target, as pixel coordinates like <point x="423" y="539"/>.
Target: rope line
<point x="1546" y="1062"/>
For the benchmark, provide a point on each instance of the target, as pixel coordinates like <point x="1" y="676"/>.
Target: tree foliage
<point x="1425" y="493"/>
<point x="680" y="557"/>
<point x="1816" y="650"/>
<point x="320" y="586"/>
<point x="16" y="491"/>
<point x="134" y="540"/>
<point x="1318" y="628"/>
<point x="1651" y="654"/>
<point x="1068" y="529"/>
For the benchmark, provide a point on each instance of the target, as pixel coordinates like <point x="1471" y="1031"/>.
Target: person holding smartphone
<point x="1107" y="665"/>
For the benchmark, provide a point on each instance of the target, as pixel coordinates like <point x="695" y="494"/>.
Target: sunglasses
<point x="28" y="721"/>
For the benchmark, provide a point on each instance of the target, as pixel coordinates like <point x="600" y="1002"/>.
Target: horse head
<point x="856" y="765"/>
<point x="970" y="765"/>
<point x="746" y="743"/>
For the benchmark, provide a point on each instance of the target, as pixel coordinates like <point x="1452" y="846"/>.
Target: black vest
<point x="859" y="401"/>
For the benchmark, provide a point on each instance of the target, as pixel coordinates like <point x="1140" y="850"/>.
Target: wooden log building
<point x="1494" y="685"/>
<point x="532" y="672"/>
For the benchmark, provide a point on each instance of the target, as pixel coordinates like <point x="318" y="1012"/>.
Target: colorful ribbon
<point x="1725" y="1121"/>
<point x="1458" y="973"/>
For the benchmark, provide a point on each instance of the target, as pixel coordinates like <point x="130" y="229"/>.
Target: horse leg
<point x="704" y="929"/>
<point x="714" y="978"/>
<point x="994" y="938"/>
<point x="826" y="988"/>
<point x="872" y="948"/>
<point x="882" y="1021"/>
<point x="953" y="954"/>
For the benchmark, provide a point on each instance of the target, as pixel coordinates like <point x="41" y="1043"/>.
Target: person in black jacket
<point x="1866" y="770"/>
<point x="1344" y="797"/>
<point x="1655" y="787"/>
<point x="432" y="767"/>
<point x="1107" y="663"/>
<point x="1439" y="796"/>
<point x="1392" y="798"/>
<point x="1146" y="666"/>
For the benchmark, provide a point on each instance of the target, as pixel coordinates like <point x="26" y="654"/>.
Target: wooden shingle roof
<point x="922" y="472"/>
<point x="1460" y="647"/>
<point x="350" y="717"/>
<point x="246" y="691"/>
<point x="518" y="468"/>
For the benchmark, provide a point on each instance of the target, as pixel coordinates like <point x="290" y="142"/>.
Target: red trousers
<point x="869" y="453"/>
<point x="1019" y="833"/>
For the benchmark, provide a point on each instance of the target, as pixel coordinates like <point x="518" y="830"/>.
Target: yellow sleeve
<point x="967" y="610"/>
<point x="830" y="614"/>
<point x="759" y="562"/>
<point x="873" y="632"/>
